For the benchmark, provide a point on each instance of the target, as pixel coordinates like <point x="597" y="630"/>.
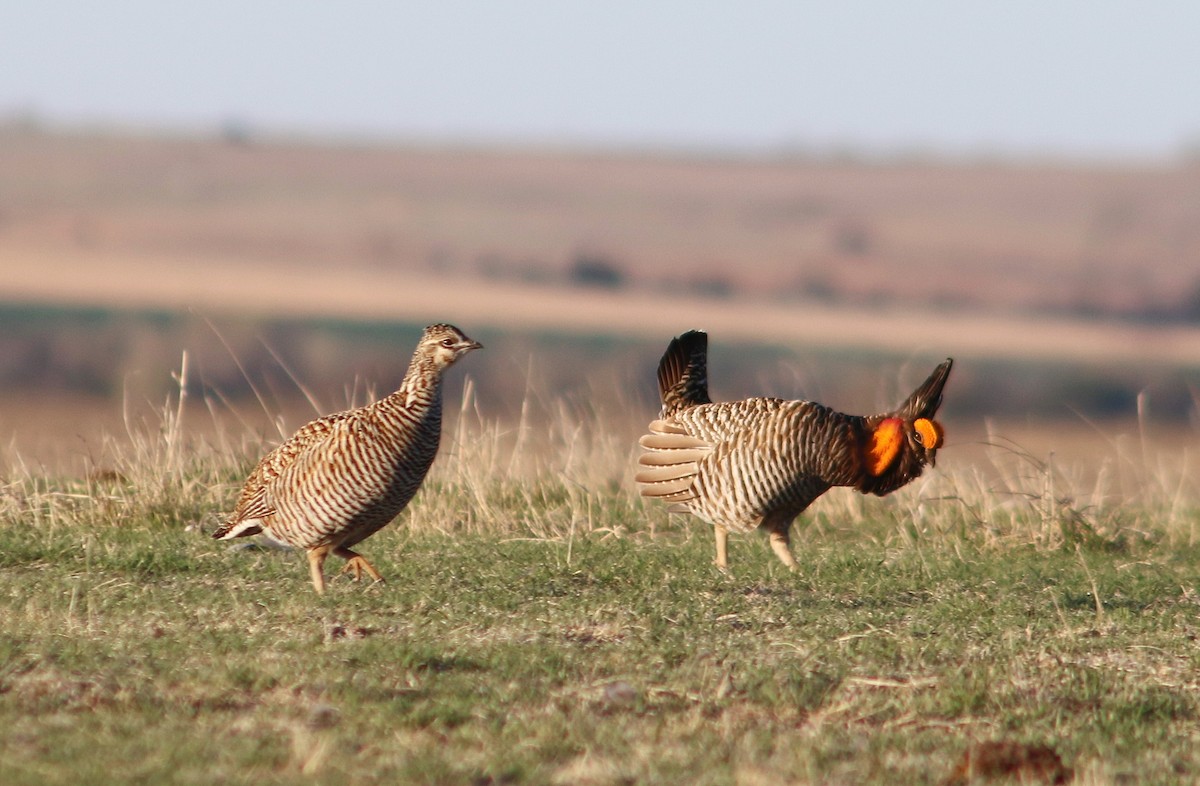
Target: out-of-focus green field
<point x="76" y="380"/>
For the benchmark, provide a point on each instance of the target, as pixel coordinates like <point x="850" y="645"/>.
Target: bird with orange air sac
<point x="760" y="462"/>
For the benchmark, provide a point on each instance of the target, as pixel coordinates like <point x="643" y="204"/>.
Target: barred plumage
<point x="341" y="478"/>
<point x="759" y="462"/>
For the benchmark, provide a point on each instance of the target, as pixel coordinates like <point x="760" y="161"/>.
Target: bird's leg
<point x="316" y="559"/>
<point x="356" y="564"/>
<point x="780" y="537"/>
<point x="779" y="542"/>
<point x="722" y="536"/>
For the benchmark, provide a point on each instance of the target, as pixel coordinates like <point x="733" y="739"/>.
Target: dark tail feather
<point x="683" y="372"/>
<point x="222" y="530"/>
<point x="242" y="530"/>
<point x="925" y="400"/>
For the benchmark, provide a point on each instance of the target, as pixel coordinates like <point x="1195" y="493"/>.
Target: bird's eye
<point x="920" y="440"/>
<point x="447" y="343"/>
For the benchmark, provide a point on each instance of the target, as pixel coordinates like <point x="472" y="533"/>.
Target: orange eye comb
<point x="932" y="433"/>
<point x="884" y="445"/>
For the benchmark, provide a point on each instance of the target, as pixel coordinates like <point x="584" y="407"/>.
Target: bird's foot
<point x="357" y="565"/>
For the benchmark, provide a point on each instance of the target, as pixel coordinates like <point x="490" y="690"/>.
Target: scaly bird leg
<point x="722" y="536"/>
<point x="779" y="542"/>
<point x="780" y="538"/>
<point x="356" y="564"/>
<point x="316" y="559"/>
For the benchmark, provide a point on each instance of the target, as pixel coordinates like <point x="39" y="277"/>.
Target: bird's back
<point x="272" y="465"/>
<point x="758" y="456"/>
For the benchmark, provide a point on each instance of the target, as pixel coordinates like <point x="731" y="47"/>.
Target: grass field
<point x="1014" y="614"/>
<point x="541" y="625"/>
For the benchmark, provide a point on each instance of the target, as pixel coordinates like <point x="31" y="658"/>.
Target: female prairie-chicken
<point x="760" y="462"/>
<point x="340" y="478"/>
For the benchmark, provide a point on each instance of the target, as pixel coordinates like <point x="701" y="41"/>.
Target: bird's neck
<point x="422" y="384"/>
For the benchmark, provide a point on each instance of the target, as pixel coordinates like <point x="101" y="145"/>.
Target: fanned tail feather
<point x="683" y="372"/>
<point x="671" y="458"/>
<point x="670" y="463"/>
<point x="670" y="430"/>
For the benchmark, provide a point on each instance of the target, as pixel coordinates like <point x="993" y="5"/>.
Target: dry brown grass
<point x="564" y="468"/>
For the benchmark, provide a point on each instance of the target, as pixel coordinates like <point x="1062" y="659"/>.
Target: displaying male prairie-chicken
<point x="759" y="462"/>
<point x="341" y="478"/>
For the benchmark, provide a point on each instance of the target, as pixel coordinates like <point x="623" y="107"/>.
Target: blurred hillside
<point x="1064" y="290"/>
<point x="1015" y="237"/>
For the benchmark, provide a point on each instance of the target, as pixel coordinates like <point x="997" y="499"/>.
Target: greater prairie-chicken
<point x="759" y="462"/>
<point x="342" y="477"/>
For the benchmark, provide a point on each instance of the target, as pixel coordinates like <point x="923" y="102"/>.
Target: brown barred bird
<point x="341" y="478"/>
<point x="759" y="462"/>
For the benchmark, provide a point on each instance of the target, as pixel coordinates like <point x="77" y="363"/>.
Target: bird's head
<point x="921" y="437"/>
<point x="444" y="344"/>
<point x="925" y="436"/>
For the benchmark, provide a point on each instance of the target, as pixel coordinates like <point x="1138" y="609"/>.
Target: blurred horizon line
<point x="847" y="150"/>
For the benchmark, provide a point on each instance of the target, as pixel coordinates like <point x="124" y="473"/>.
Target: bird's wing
<point x="694" y="441"/>
<point x="768" y="455"/>
<point x="255" y="499"/>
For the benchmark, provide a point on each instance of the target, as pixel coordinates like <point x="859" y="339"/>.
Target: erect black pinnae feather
<point x="925" y="400"/>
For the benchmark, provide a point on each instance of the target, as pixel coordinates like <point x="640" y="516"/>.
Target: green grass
<point x="540" y="625"/>
<point x="167" y="658"/>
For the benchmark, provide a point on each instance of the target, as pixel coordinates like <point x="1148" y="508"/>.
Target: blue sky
<point x="1090" y="79"/>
